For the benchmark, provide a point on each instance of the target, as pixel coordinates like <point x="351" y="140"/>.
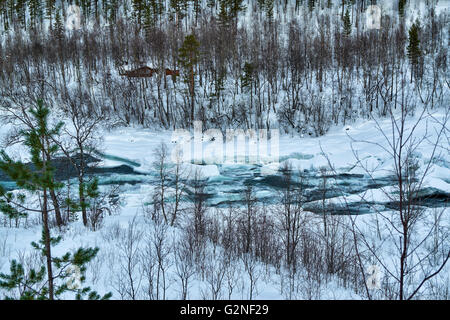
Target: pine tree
<point x="20" y="9"/>
<point x="197" y="9"/>
<point x="35" y="10"/>
<point x="179" y="8"/>
<point x="347" y="23"/>
<point x="269" y="9"/>
<point x="311" y="5"/>
<point x="58" y="28"/>
<point x="112" y="7"/>
<point x="229" y="10"/>
<point x="148" y="20"/>
<point x="413" y="50"/>
<point x="247" y="77"/>
<point x="138" y="10"/>
<point x="38" y="179"/>
<point x="152" y="11"/>
<point x="401" y="8"/>
<point x="5" y="13"/>
<point x="188" y="57"/>
<point x="224" y="17"/>
<point x="247" y="80"/>
<point x="236" y="6"/>
<point x="85" y="8"/>
<point x="49" y="9"/>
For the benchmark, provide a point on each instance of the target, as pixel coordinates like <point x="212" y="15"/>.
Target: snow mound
<point x="189" y="171"/>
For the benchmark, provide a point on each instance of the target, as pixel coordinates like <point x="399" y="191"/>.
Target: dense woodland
<point x="301" y="66"/>
<point x="298" y="65"/>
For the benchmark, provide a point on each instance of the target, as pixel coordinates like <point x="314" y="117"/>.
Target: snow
<point x="137" y="145"/>
<point x="190" y="170"/>
<point x="339" y="147"/>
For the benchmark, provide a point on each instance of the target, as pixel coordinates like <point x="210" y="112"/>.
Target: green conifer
<point x="38" y="178"/>
<point x="347" y="23"/>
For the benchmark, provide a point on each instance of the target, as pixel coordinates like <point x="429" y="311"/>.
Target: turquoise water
<point x="230" y="185"/>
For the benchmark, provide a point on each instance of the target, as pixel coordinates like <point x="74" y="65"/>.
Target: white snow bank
<point x="189" y="171"/>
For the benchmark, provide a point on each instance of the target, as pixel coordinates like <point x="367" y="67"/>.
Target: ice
<point x="270" y="169"/>
<point x="191" y="171"/>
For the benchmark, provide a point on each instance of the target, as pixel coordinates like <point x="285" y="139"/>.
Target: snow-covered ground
<point x="360" y="148"/>
<point x="136" y="145"/>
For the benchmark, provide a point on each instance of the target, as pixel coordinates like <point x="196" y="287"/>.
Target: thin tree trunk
<point x="47" y="247"/>
<point x="47" y="234"/>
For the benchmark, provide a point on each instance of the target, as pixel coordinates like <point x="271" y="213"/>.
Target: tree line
<point x="301" y="67"/>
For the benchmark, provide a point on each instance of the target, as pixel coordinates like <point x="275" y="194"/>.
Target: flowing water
<point x="229" y="187"/>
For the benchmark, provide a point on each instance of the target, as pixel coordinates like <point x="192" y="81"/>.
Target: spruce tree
<point x="58" y="28"/>
<point x="311" y="5"/>
<point x="347" y="23"/>
<point x="267" y="7"/>
<point x="224" y="16"/>
<point x="247" y="77"/>
<point x="178" y="8"/>
<point x="21" y="9"/>
<point x="236" y="6"/>
<point x="137" y="6"/>
<point x="49" y="9"/>
<point x="401" y="8"/>
<point x="188" y="57"/>
<point x="35" y="11"/>
<point x="229" y="10"/>
<point x="413" y="50"/>
<point x="247" y="80"/>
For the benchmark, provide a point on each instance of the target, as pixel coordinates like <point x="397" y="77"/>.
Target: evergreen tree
<point x="20" y="9"/>
<point x="311" y="5"/>
<point x="413" y="50"/>
<point x="153" y="11"/>
<point x="38" y="179"/>
<point x="58" y="28"/>
<point x="188" y="57"/>
<point x="197" y="9"/>
<point x="347" y="23"/>
<point x="112" y="7"/>
<point x="138" y="10"/>
<point x="224" y="17"/>
<point x="49" y="9"/>
<point x="247" y="77"/>
<point x="401" y="8"/>
<point x="269" y="9"/>
<point x="229" y="10"/>
<point x="148" y="19"/>
<point x="4" y="6"/>
<point x="247" y="80"/>
<point x="35" y="10"/>
<point x="236" y="6"/>
<point x="85" y="8"/>
<point x="179" y="8"/>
